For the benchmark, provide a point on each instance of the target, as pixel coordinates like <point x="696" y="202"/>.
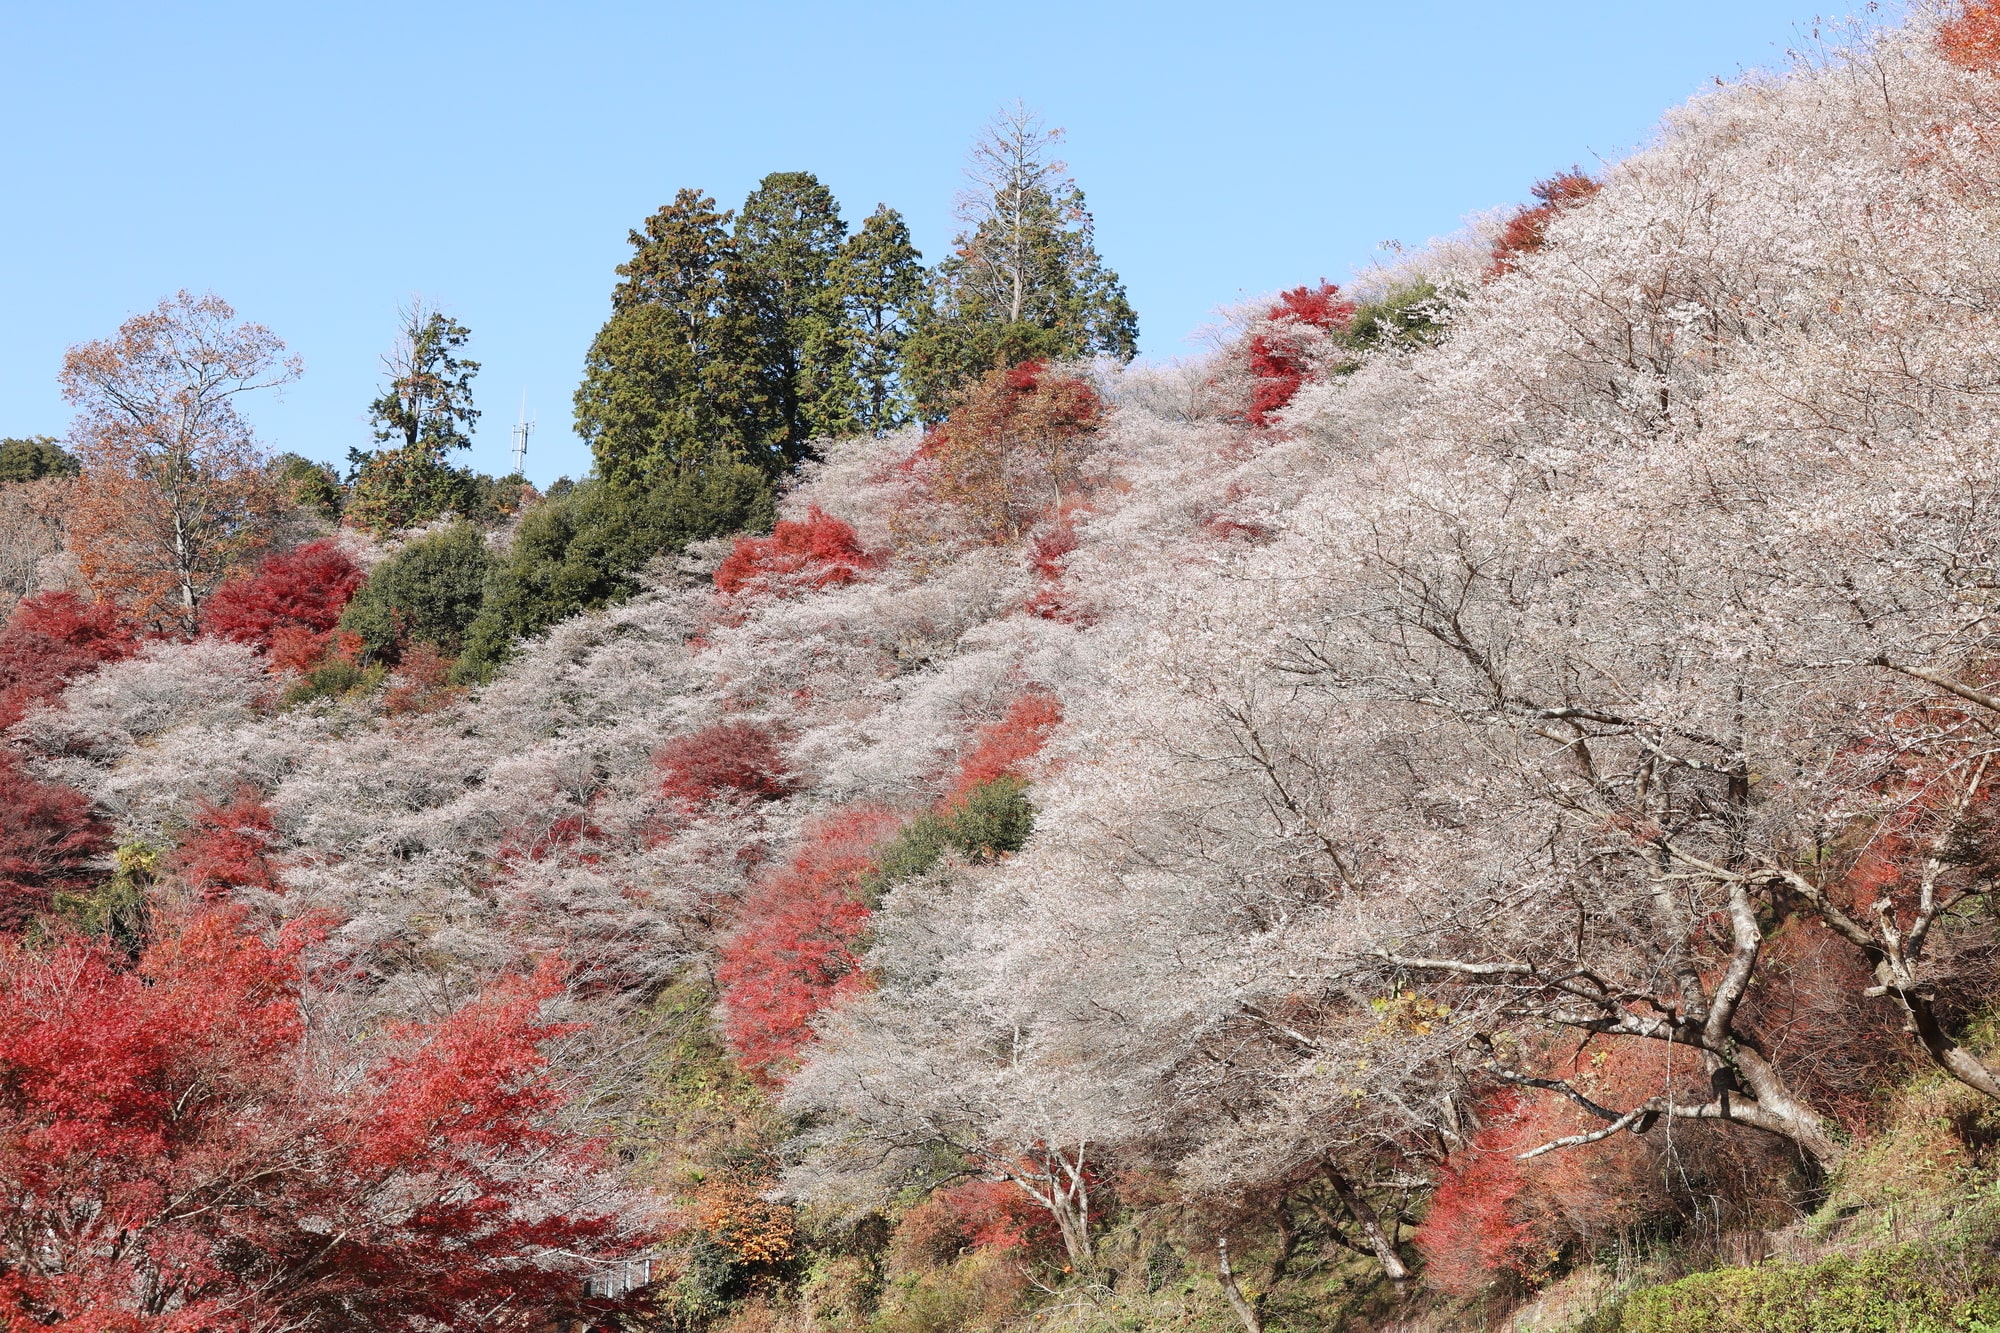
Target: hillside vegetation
<point x="1471" y="807"/>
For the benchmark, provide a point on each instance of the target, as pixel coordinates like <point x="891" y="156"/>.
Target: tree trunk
<point x="1245" y="1311"/>
<point x="1371" y="1225"/>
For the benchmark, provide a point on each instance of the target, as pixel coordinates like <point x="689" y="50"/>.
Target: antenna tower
<point x="522" y="430"/>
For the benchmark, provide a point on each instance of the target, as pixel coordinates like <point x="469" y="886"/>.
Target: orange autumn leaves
<point x="175" y="493"/>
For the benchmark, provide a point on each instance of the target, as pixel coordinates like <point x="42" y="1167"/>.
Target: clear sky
<point x="319" y="164"/>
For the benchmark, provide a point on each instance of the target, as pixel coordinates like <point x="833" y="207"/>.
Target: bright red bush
<point x="1278" y="357"/>
<point x="227" y="849"/>
<point x="736" y="760"/>
<point x="793" y="951"/>
<point x="49" y="840"/>
<point x="50" y="640"/>
<point x="998" y="1215"/>
<point x="1527" y="231"/>
<point x="1473" y="1234"/>
<point x="290" y="602"/>
<point x="1003" y="748"/>
<point x="819" y="551"/>
<point x="182" y="1156"/>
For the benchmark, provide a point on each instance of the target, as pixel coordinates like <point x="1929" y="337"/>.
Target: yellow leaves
<point x="1408" y="1012"/>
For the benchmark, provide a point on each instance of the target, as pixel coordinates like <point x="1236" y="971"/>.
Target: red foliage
<point x="226" y="849"/>
<point x="1004" y="747"/>
<point x="735" y="760"/>
<point x="1972" y="40"/>
<point x="997" y="1215"/>
<point x="288" y="605"/>
<point x="1495" y="1218"/>
<point x="799" y="556"/>
<point x="1045" y="558"/>
<point x="1278" y="358"/>
<point x="1010" y="457"/>
<point x="793" y="951"/>
<point x="1471" y="1236"/>
<point x="181" y="1156"/>
<point x="575" y="831"/>
<point x="48" y="839"/>
<point x="50" y="640"/>
<point x="1528" y="230"/>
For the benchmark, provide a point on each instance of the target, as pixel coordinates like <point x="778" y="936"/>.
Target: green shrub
<point x="115" y="911"/>
<point x="1920" y="1288"/>
<point x="430" y="592"/>
<point x="988" y="822"/>
<point x="1405" y="316"/>
<point x="585" y="548"/>
<point x="331" y="680"/>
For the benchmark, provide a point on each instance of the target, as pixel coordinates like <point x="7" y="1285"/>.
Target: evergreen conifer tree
<point x="1025" y="281"/>
<point x="663" y="384"/>
<point x="786" y="309"/>
<point x="880" y="277"/>
<point x="425" y="412"/>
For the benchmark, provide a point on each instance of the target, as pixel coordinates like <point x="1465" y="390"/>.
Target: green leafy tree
<point x="879" y="275"/>
<point x="587" y="546"/>
<point x="309" y="485"/>
<point x="1024" y="281"/>
<point x="661" y="384"/>
<point x="425" y="412"/>
<point x="786" y="312"/>
<point x="429" y="592"/>
<point x="33" y="458"/>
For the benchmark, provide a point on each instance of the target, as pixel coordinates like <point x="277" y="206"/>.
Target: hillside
<point x="1470" y="807"/>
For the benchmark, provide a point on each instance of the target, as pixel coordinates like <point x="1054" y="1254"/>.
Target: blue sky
<point x="319" y="164"/>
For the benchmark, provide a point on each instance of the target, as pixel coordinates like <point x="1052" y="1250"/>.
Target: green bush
<point x="584" y="549"/>
<point x="332" y="679"/>
<point x="1921" y="1288"/>
<point x="430" y="591"/>
<point x="989" y="821"/>
<point x="1405" y="316"/>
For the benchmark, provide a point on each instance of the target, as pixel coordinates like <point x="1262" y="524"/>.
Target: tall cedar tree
<point x="785" y="308"/>
<point x="424" y="414"/>
<point x="660" y="385"/>
<point x="880" y="278"/>
<point x="1025" y="282"/>
<point x="175" y="494"/>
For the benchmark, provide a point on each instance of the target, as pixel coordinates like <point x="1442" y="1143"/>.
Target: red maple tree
<point x="184" y="1151"/>
<point x="796" y="946"/>
<point x="1278" y="352"/>
<point x="1972" y="40"/>
<point x="736" y="760"/>
<point x="49" y="841"/>
<point x="50" y="640"/>
<point x="1528" y="230"/>
<point x="227" y="848"/>
<point x="800" y="555"/>
<point x="1002" y="748"/>
<point x="288" y="605"/>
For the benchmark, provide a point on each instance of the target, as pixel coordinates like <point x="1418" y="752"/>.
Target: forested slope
<point x="1472" y="800"/>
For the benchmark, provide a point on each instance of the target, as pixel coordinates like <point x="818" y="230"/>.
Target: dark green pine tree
<point x="880" y="277"/>
<point x="787" y="313"/>
<point x="663" y="384"/>
<point x="1025" y="282"/>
